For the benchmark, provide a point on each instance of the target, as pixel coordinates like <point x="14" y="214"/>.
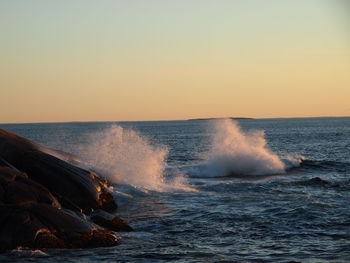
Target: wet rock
<point x="17" y="188"/>
<point x="44" y="200"/>
<point x="79" y="188"/>
<point x="109" y="221"/>
<point x="45" y="226"/>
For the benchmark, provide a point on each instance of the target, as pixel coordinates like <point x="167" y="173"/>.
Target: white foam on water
<point x="236" y="152"/>
<point x="127" y="157"/>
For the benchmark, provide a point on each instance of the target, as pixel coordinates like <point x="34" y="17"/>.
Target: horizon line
<point x="191" y="119"/>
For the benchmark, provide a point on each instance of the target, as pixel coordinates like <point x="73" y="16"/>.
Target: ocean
<point x="249" y="190"/>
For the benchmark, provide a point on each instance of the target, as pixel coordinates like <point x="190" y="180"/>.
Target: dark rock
<point x="43" y="200"/>
<point x="17" y="188"/>
<point x="45" y="226"/>
<point x="316" y="181"/>
<point x="109" y="221"/>
<point x="75" y="187"/>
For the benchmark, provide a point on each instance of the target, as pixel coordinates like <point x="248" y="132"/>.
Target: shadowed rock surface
<point x="45" y="226"/>
<point x="77" y="187"/>
<point x="109" y="221"/>
<point x="16" y="188"/>
<point x="43" y="200"/>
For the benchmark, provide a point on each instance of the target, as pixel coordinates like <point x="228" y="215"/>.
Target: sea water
<point x="252" y="190"/>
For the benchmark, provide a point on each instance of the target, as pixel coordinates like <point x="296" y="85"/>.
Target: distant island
<point x="232" y="118"/>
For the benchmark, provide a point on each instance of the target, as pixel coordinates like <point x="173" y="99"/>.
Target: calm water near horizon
<point x="213" y="190"/>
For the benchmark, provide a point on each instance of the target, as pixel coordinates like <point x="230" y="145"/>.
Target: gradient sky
<point x="81" y="60"/>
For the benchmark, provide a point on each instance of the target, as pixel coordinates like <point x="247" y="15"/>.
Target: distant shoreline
<point x="214" y="118"/>
<point x="220" y="118"/>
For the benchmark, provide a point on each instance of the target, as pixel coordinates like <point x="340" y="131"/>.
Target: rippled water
<point x="300" y="215"/>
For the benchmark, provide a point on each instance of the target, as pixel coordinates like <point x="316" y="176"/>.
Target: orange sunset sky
<point x="132" y="60"/>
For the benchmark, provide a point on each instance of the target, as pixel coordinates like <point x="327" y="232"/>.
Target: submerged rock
<point x="43" y="200"/>
<point x="316" y="181"/>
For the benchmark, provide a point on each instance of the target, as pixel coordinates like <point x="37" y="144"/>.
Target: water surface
<point x="185" y="211"/>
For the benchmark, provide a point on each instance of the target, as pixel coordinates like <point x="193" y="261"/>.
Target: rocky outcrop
<point x="46" y="202"/>
<point x="73" y="185"/>
<point x="44" y="226"/>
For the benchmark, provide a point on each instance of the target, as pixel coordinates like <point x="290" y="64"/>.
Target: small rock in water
<point x="316" y="181"/>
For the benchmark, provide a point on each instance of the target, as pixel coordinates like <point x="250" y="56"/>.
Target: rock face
<point x="44" y="200"/>
<point x="46" y="226"/>
<point x="17" y="189"/>
<point x="77" y="187"/>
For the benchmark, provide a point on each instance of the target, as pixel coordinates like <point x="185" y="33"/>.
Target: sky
<point x="83" y="60"/>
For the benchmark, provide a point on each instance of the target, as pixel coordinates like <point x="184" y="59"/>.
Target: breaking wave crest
<point x="235" y="152"/>
<point x="126" y="157"/>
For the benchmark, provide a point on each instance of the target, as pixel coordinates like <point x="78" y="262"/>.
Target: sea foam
<point x="236" y="152"/>
<point x="127" y="157"/>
